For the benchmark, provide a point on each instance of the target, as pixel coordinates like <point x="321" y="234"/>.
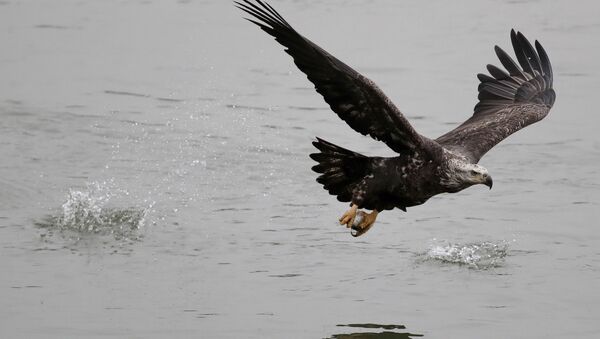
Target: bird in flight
<point x="509" y="100"/>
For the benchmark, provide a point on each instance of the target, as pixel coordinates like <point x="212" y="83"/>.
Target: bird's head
<point x="464" y="174"/>
<point x="476" y="174"/>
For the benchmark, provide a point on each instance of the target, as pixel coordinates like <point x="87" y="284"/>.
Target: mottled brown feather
<point x="507" y="101"/>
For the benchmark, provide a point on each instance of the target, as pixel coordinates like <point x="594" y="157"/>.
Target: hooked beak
<point x="489" y="182"/>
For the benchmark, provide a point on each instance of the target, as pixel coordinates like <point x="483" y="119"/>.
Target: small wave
<point x="246" y="107"/>
<point x="483" y="255"/>
<point x="126" y="93"/>
<point x="87" y="212"/>
<point x="52" y="26"/>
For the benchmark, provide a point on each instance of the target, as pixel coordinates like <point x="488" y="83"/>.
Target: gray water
<point x="155" y="180"/>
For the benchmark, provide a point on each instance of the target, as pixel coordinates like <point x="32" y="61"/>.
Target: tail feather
<point x="340" y="168"/>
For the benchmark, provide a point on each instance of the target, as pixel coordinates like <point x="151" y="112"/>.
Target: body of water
<point x="156" y="183"/>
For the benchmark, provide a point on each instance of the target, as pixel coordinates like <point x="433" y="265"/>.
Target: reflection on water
<point x="390" y="332"/>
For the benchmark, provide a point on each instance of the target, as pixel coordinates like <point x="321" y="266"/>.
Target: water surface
<point x="156" y="180"/>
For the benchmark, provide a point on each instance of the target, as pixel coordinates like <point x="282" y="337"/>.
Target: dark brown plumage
<point x="508" y="101"/>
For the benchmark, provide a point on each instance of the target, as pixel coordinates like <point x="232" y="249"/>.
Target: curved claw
<point x="358" y="231"/>
<point x="364" y="224"/>
<point x="349" y="216"/>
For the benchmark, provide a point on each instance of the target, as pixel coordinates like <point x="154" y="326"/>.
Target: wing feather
<point x="520" y="53"/>
<point x="508" y="63"/>
<point x="497" y="73"/>
<point x="508" y="101"/>
<point x="355" y="99"/>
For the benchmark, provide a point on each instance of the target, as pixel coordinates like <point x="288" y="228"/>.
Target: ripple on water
<point x="87" y="212"/>
<point x="481" y="255"/>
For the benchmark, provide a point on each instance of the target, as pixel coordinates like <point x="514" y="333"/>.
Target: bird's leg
<point x="366" y="223"/>
<point x="348" y="216"/>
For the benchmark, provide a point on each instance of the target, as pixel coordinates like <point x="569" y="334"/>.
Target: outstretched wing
<point x="507" y="101"/>
<point x="355" y="99"/>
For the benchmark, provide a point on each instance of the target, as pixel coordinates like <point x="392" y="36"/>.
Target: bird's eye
<point x="474" y="172"/>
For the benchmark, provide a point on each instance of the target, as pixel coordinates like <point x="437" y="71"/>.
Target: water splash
<point x="482" y="255"/>
<point x="91" y="211"/>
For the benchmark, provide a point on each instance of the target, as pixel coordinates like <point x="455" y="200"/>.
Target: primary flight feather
<point x="508" y="101"/>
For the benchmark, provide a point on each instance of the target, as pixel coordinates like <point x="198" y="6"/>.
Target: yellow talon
<point x="368" y="220"/>
<point x="358" y="221"/>
<point x="348" y="217"/>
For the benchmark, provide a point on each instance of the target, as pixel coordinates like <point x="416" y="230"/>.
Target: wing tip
<point x="263" y="12"/>
<point x="528" y="81"/>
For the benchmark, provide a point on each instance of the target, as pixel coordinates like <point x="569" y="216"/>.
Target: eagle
<point x="509" y="99"/>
